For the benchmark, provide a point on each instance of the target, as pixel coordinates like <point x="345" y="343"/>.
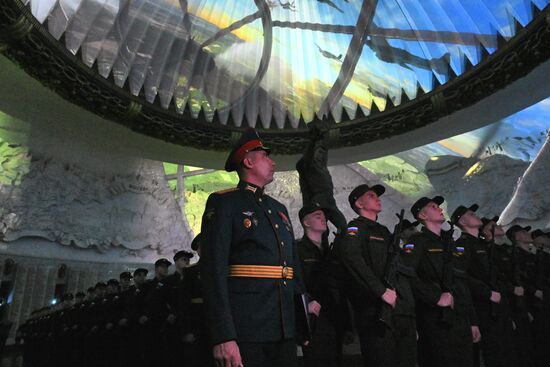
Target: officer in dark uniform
<point x="365" y="250"/>
<point x="445" y="335"/>
<point x="250" y="265"/>
<point x="491" y="304"/>
<point x="331" y="325"/>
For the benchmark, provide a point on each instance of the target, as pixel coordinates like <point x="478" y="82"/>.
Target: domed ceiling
<point x="196" y="73"/>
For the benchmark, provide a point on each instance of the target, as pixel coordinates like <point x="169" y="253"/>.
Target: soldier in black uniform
<point x="541" y="333"/>
<point x="365" y="250"/>
<point x="331" y="326"/>
<point x="125" y="280"/>
<point x="198" y="351"/>
<point x="528" y="315"/>
<point x="133" y="323"/>
<point x="157" y="314"/>
<point x="315" y="180"/>
<point x="491" y="304"/>
<point x="250" y="265"/>
<point x="176" y="299"/>
<point x="445" y="334"/>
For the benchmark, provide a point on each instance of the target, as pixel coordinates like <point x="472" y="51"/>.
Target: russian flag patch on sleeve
<point x="352" y="231"/>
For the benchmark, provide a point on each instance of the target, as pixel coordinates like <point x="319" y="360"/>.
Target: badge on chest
<point x="250" y="220"/>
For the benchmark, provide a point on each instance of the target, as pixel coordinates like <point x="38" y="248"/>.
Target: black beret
<point x="422" y="202"/>
<point x="249" y="141"/>
<point x="162" y="262"/>
<point x="461" y="210"/>
<point x="178" y="255"/>
<point x="362" y="189"/>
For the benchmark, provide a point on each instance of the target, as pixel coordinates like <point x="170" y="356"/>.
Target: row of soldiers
<point x="467" y="300"/>
<point x="150" y="322"/>
<point x="430" y="300"/>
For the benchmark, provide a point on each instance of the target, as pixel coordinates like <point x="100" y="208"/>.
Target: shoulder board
<point x="226" y="191"/>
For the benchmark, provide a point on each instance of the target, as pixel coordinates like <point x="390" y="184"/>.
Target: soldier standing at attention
<point x="365" y="250"/>
<point x="490" y="303"/>
<point x="250" y="268"/>
<point x="197" y="350"/>
<point x="445" y="335"/>
<point x="331" y="326"/>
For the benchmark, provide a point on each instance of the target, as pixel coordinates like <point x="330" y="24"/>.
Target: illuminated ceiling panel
<point x="274" y="60"/>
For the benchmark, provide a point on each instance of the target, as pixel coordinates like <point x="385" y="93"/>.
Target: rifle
<point x="493" y="311"/>
<point x="390" y="270"/>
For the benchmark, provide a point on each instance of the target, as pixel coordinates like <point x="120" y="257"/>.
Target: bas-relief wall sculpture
<point x="75" y="204"/>
<point x="530" y="204"/>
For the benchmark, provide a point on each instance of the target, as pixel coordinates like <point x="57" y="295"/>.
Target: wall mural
<point x="482" y="166"/>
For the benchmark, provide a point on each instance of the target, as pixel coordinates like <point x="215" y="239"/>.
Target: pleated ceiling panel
<point x="279" y="63"/>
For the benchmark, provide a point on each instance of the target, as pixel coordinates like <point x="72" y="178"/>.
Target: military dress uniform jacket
<point x="363" y="250"/>
<point x="243" y="226"/>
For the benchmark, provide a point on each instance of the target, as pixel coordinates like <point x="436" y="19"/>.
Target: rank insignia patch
<point x="247" y="223"/>
<point x="352" y="231"/>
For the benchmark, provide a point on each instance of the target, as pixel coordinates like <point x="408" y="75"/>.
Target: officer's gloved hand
<point x="188" y="338"/>
<point x="143" y="320"/>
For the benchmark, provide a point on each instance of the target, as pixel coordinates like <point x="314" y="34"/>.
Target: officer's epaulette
<point x="226" y="191"/>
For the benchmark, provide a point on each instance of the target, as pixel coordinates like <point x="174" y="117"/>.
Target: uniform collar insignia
<point x="257" y="191"/>
<point x="248" y="213"/>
